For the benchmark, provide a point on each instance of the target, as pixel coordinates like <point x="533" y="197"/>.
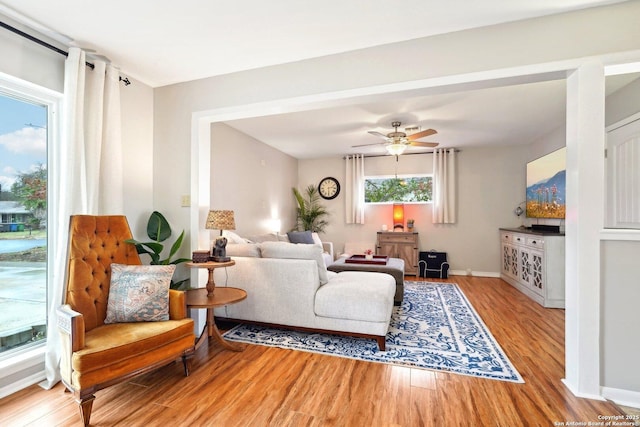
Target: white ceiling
<point x="164" y="42"/>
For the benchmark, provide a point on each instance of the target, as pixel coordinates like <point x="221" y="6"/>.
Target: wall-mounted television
<point x="546" y="186"/>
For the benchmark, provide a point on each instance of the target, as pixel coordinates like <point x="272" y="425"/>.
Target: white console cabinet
<point x="533" y="262"/>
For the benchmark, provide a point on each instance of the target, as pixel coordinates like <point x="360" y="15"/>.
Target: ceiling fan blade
<point x="423" y="144"/>
<point x="378" y="134"/>
<point x="422" y="134"/>
<point x="367" y="145"/>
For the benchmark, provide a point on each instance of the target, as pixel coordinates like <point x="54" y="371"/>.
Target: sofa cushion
<point x="233" y="237"/>
<point x="244" y="250"/>
<point x="300" y="237"/>
<point x="268" y="237"/>
<point x="296" y="251"/>
<point x="139" y="293"/>
<point x="356" y="295"/>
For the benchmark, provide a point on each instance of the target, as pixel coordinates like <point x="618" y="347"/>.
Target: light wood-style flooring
<point x="265" y="386"/>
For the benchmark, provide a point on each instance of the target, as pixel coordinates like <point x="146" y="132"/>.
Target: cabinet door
<point x="388" y="249"/>
<point x="537" y="272"/>
<point x="510" y="260"/>
<point x="524" y="265"/>
<point x="507" y="259"/>
<point x="409" y="254"/>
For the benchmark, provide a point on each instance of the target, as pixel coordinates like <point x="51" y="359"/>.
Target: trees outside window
<point x="407" y="189"/>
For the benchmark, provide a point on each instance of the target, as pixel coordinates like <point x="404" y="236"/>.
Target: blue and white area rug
<point x="435" y="328"/>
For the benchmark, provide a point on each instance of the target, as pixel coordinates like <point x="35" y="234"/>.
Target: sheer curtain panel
<point x="444" y="186"/>
<point x="90" y="178"/>
<point x="354" y="195"/>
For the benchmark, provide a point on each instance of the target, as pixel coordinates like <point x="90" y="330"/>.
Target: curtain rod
<point x="36" y="40"/>
<point x="404" y="154"/>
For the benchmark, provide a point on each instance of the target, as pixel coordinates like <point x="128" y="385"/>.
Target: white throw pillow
<point x="296" y="251"/>
<point x="316" y="239"/>
<point x="233" y="237"/>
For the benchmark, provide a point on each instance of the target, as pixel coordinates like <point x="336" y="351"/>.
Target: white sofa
<point x="288" y="285"/>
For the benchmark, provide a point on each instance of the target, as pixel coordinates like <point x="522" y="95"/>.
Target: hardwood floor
<point x="265" y="386"/>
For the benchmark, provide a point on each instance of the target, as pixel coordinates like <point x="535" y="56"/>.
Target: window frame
<point x="411" y="175"/>
<point x="28" y="356"/>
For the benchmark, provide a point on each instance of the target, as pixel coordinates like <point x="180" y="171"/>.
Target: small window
<point x="405" y="189"/>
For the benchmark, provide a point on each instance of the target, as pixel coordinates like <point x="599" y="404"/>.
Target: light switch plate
<point x="186" y="201"/>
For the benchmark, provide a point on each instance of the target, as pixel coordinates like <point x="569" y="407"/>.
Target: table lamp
<point x="398" y="217"/>
<point x="220" y="220"/>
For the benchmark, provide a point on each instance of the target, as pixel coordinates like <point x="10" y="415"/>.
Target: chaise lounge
<point x="288" y="285"/>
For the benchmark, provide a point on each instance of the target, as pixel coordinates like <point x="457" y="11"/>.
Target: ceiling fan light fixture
<point x="396" y="149"/>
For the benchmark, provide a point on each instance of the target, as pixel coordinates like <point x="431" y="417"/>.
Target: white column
<point x="585" y="211"/>
<point x="200" y="203"/>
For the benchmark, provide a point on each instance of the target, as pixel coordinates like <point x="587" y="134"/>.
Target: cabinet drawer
<point x="535" y="242"/>
<point x="505" y="237"/>
<point x="396" y="238"/>
<point x="519" y="239"/>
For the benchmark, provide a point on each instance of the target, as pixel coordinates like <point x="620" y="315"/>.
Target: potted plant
<point x="159" y="230"/>
<point x="310" y="214"/>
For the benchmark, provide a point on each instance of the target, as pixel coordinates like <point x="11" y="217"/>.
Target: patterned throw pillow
<point x="139" y="293"/>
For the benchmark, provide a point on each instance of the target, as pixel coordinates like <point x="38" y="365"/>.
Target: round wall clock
<point x="329" y="188"/>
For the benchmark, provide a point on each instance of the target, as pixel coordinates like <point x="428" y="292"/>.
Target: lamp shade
<point x="396" y="149"/>
<point x="220" y="220"/>
<point x="398" y="215"/>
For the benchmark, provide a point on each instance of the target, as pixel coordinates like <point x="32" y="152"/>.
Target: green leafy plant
<point x="159" y="230"/>
<point x="311" y="215"/>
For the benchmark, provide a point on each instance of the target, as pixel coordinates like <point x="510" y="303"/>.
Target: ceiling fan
<point x="396" y="142"/>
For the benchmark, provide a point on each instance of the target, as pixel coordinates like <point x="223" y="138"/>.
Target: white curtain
<point x="88" y="176"/>
<point x="444" y="186"/>
<point x="354" y="189"/>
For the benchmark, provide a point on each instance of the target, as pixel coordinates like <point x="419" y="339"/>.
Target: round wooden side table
<point x="198" y="298"/>
<point x="210" y="265"/>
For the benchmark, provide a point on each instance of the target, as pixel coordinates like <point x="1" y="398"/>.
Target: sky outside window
<point x="23" y="139"/>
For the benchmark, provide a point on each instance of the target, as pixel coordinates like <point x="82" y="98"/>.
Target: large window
<point x="403" y="189"/>
<point x="23" y="220"/>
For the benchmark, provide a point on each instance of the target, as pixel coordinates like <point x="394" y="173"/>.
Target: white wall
<point x="620" y="295"/>
<point x="137" y="142"/>
<point x="488" y="191"/>
<point x="28" y="61"/>
<point x="252" y="179"/>
<point x="620" y="292"/>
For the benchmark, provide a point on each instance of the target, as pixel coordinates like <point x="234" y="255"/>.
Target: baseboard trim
<point x="474" y="273"/>
<point x="576" y="393"/>
<point x="622" y="397"/>
<point x="22" y="383"/>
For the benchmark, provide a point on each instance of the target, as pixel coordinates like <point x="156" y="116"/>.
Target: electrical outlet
<point x="185" y="201"/>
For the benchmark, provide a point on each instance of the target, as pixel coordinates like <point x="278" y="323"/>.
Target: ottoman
<point x="394" y="267"/>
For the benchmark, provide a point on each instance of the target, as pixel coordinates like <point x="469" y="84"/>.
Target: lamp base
<point x="220" y="258"/>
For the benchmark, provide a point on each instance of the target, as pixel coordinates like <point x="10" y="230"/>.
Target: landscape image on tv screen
<point x="546" y="186"/>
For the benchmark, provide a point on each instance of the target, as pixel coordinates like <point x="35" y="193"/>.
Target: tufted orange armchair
<point x="96" y="355"/>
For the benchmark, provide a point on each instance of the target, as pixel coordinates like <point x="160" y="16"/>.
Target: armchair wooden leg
<point x="381" y="343"/>
<point x="186" y="361"/>
<point x="85" y="406"/>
